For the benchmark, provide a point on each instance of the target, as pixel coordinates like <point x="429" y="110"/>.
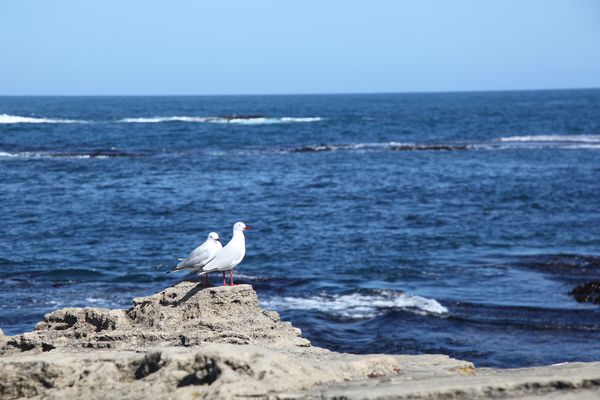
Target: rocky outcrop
<point x="184" y="315"/>
<point x="190" y="342"/>
<point x="587" y="292"/>
<point x="219" y="371"/>
<point x="582" y="272"/>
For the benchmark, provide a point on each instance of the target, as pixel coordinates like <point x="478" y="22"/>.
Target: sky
<point x="144" y="47"/>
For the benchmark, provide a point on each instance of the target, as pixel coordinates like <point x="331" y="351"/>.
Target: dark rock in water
<point x="587" y="293"/>
<point x="571" y="269"/>
<point x="582" y="271"/>
<point x="312" y="149"/>
<point x="562" y="263"/>
<point x="368" y="146"/>
<point x="424" y="147"/>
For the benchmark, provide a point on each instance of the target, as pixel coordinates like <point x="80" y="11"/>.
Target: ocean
<point x="454" y="223"/>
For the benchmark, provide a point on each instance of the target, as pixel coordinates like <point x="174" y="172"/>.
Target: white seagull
<point x="201" y="255"/>
<point x="229" y="256"/>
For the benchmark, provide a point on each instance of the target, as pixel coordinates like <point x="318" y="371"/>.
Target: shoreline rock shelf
<point x="218" y="343"/>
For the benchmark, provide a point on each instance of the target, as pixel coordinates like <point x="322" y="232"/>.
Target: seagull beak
<point x="248" y="228"/>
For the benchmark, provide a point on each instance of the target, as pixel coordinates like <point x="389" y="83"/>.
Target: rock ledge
<point x="218" y="343"/>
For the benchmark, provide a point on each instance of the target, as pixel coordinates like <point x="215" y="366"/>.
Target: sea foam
<point x="222" y="120"/>
<point x="95" y="154"/>
<point x="16" y="119"/>
<point x="553" y="138"/>
<point x="358" y="305"/>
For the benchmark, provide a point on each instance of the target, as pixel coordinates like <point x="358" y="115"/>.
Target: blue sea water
<point x="452" y="223"/>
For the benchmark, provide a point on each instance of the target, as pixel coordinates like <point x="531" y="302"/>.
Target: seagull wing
<point x="225" y="259"/>
<point x="197" y="261"/>
<point x="199" y="250"/>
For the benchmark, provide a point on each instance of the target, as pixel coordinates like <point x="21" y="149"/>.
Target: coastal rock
<point x="219" y="371"/>
<point x="570" y="381"/>
<point x="190" y="342"/>
<point x="575" y="264"/>
<point x="587" y="293"/>
<point x="183" y="315"/>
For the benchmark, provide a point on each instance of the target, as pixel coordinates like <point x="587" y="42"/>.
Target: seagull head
<point x="214" y="236"/>
<point x="240" y="227"/>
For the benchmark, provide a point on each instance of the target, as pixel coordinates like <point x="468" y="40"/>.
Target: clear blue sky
<point x="327" y="46"/>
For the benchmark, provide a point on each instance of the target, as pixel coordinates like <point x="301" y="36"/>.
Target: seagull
<point x="229" y="256"/>
<point x="201" y="255"/>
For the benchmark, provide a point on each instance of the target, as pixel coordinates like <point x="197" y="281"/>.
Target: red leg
<point x="205" y="280"/>
<point x="224" y="281"/>
<point x="231" y="277"/>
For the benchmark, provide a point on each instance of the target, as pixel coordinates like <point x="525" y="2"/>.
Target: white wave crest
<point x="589" y="146"/>
<point x="553" y="138"/>
<point x="300" y="119"/>
<point x="151" y="120"/>
<point x="51" y="155"/>
<point x="359" y="306"/>
<point x="221" y="120"/>
<point x="16" y="119"/>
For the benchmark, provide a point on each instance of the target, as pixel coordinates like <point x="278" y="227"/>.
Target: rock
<point x="587" y="293"/>
<point x="184" y="315"/>
<point x="189" y="342"/>
<point x="561" y="264"/>
<point x="430" y="147"/>
<point x="563" y="381"/>
<point x="217" y="371"/>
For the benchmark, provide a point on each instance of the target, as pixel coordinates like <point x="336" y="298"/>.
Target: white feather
<point x="231" y="255"/>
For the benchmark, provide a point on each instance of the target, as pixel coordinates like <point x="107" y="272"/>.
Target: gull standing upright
<point x="201" y="255"/>
<point x="229" y="256"/>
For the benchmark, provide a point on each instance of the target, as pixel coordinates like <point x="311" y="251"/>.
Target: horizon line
<point x="305" y="94"/>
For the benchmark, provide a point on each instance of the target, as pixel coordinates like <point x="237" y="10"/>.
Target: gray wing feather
<point x="196" y="261"/>
<point x="199" y="250"/>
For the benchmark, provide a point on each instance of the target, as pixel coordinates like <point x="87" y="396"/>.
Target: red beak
<point x="248" y="228"/>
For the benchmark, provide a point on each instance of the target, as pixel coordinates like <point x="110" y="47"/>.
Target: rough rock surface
<point x="184" y="315"/>
<point x="189" y="342"/>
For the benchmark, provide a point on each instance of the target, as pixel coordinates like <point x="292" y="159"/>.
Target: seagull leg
<point x="231" y="277"/>
<point x="205" y="280"/>
<point x="224" y="281"/>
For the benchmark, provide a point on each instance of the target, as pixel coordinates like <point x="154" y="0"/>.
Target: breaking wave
<point x="553" y="138"/>
<point x="359" y="306"/>
<point x="231" y="119"/>
<point x="151" y="120"/>
<point x="69" y="154"/>
<point x="16" y="119"/>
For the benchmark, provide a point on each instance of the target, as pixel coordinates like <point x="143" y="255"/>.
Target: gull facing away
<point x="201" y="255"/>
<point x="229" y="256"/>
